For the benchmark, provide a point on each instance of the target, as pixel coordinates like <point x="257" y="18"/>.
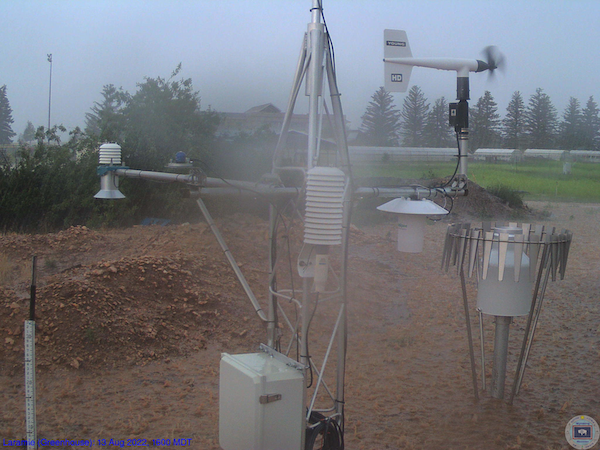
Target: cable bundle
<point x="326" y="431"/>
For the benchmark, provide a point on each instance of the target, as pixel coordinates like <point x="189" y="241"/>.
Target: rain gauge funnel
<point x="411" y="221"/>
<point x="506" y="294"/>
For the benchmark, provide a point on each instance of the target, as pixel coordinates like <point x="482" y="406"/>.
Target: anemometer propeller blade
<point x="494" y="58"/>
<point x="399" y="61"/>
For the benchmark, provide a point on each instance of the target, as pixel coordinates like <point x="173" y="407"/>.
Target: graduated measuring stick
<point x="30" y="417"/>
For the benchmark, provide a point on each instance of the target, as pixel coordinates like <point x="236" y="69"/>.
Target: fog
<point x="242" y="53"/>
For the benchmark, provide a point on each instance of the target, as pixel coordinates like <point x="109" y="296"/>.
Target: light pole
<point x="50" y="89"/>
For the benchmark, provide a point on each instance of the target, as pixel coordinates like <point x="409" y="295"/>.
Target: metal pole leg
<point x="482" y="344"/>
<point x="469" y="334"/>
<point x="500" y="356"/>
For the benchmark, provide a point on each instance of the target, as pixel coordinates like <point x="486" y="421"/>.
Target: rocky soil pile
<point x="103" y="311"/>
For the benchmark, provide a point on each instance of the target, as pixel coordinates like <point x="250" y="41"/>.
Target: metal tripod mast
<point x="315" y="67"/>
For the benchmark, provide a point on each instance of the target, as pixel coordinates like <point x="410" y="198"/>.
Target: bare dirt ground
<point x="131" y="324"/>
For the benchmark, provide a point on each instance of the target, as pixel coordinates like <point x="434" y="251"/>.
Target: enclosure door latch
<point x="269" y="398"/>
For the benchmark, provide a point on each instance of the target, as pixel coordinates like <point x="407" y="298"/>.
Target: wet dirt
<point x="131" y="325"/>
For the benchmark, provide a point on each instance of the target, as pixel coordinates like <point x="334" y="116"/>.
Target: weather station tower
<point x="290" y="393"/>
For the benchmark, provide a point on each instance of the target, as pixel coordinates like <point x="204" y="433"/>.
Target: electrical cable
<point x="440" y="189"/>
<point x="291" y="209"/>
<point x="287" y="234"/>
<point x="265" y="198"/>
<point x="287" y="229"/>
<point x="457" y="163"/>
<point x="329" y="41"/>
<point x="291" y="272"/>
<point x="306" y="337"/>
<point x="328" y="429"/>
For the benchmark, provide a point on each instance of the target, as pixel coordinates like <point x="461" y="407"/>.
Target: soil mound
<point x="118" y="311"/>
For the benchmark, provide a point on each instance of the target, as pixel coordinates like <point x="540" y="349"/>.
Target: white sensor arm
<point x="399" y="62"/>
<point x="461" y="66"/>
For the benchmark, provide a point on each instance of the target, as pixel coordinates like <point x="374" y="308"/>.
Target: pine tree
<point x="484" y="123"/>
<point x="570" y="127"/>
<point x="6" y="120"/>
<point x="106" y="119"/>
<point x="513" y="124"/>
<point x="414" y="115"/>
<point x="380" y="122"/>
<point x="540" y="121"/>
<point x="29" y="133"/>
<point x="590" y="126"/>
<point x="437" y="131"/>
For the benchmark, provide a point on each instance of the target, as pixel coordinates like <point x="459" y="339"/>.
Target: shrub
<point x="510" y="196"/>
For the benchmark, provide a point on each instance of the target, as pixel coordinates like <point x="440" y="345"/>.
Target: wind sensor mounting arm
<point x="399" y="62"/>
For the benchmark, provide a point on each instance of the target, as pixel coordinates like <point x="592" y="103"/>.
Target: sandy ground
<point x="134" y="350"/>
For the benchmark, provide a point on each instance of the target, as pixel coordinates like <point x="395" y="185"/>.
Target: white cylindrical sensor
<point x="411" y="233"/>
<point x="411" y="221"/>
<point x="507" y="297"/>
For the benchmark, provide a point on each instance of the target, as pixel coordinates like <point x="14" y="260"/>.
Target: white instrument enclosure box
<point x="261" y="402"/>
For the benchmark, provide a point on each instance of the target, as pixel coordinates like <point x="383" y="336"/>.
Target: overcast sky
<point x="242" y="53"/>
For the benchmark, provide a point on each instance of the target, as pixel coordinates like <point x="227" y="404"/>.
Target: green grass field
<point x="536" y="180"/>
